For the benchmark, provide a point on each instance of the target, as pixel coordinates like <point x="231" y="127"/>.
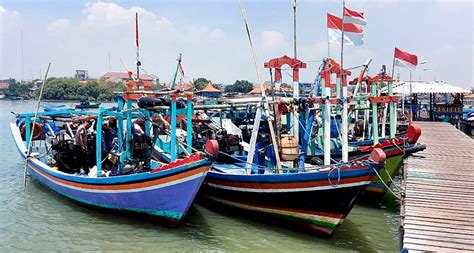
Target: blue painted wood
<point x="304" y="142"/>
<point x="28" y="131"/>
<point x="147" y="123"/>
<point x="288" y="121"/>
<point x="189" y="125"/>
<point x="173" y="147"/>
<point x="128" y="138"/>
<point x="98" y="141"/>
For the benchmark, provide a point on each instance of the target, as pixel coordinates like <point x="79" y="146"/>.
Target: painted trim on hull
<point x="326" y="222"/>
<point x="316" y="187"/>
<point x="134" y="187"/>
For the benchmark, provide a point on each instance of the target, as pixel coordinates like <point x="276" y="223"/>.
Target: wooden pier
<point x="437" y="213"/>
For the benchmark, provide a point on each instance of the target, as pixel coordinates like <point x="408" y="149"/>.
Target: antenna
<point x="109" y="62"/>
<point x="22" y="58"/>
<point x="138" y="46"/>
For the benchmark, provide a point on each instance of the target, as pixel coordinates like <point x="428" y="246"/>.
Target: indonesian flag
<point x="354" y="17"/>
<point x="353" y="34"/>
<point x="405" y="60"/>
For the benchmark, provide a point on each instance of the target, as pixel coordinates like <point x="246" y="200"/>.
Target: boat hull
<point x="318" y="201"/>
<point x="376" y="189"/>
<point x="167" y="198"/>
<point x="165" y="194"/>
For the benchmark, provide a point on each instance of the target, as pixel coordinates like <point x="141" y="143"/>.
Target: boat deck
<point x="437" y="213"/>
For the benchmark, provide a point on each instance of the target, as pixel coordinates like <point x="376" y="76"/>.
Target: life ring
<point x="38" y="131"/>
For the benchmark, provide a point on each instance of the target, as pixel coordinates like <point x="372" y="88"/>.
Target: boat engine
<point x="64" y="153"/>
<point x="141" y="146"/>
<point x="228" y="143"/>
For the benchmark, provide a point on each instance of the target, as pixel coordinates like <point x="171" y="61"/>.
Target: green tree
<point x="241" y="86"/>
<point x="200" y="83"/>
<point x="218" y="86"/>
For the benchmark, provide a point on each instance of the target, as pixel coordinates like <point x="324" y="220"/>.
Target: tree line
<point x="72" y="89"/>
<point x="239" y="86"/>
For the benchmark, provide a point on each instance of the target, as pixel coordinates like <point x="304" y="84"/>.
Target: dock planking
<point x="437" y="213"/>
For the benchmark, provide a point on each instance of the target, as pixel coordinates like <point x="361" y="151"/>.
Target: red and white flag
<point x="405" y="60"/>
<point x="181" y="70"/>
<point x="354" y="17"/>
<point x="353" y="34"/>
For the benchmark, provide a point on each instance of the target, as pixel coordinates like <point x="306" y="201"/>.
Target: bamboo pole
<point x="29" y="139"/>
<point x="264" y="98"/>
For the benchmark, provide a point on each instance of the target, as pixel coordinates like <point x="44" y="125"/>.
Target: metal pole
<point x="343" y="84"/>
<point x="411" y="100"/>
<point x="294" y="27"/>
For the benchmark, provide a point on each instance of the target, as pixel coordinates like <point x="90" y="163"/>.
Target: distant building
<point x="118" y="77"/>
<point x="209" y="91"/>
<point x="183" y="86"/>
<point x="81" y="75"/>
<point x="4" y="85"/>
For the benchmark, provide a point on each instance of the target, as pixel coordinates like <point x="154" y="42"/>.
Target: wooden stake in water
<point x="30" y="138"/>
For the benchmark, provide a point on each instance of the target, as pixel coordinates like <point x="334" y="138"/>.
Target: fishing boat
<point x="273" y="180"/>
<point x="125" y="178"/>
<point x="84" y="104"/>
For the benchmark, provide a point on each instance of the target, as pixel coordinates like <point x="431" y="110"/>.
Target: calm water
<point x="37" y="219"/>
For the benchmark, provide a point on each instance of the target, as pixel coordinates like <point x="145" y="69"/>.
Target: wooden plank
<point x="466" y="242"/>
<point x="443" y="207"/>
<point x="441" y="234"/>
<point x="441" y="221"/>
<point x="431" y="242"/>
<point x="455" y="231"/>
<point x="413" y="247"/>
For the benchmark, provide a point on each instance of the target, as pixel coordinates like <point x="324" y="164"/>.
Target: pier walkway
<point x="437" y="213"/>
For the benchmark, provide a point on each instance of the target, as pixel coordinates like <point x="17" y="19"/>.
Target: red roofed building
<point x="209" y="91"/>
<point x="118" y="77"/>
<point x="183" y="86"/>
<point x="258" y="91"/>
<point x="4" y="85"/>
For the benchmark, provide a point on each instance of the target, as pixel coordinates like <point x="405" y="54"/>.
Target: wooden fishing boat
<point x="87" y="105"/>
<point x="318" y="199"/>
<point x="133" y="182"/>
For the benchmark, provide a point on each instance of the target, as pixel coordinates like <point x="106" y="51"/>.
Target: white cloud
<point x="273" y="40"/>
<point x="102" y="13"/>
<point x="164" y="24"/>
<point x="4" y="13"/>
<point x="60" y="24"/>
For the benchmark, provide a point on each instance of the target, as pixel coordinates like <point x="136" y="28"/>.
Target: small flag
<point x="353" y="34"/>
<point x="354" y="17"/>
<point x="181" y="70"/>
<point x="405" y="60"/>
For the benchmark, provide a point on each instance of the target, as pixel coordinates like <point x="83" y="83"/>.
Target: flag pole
<point x="393" y="65"/>
<point x="138" y="47"/>
<point x="343" y="85"/>
<point x="294" y="27"/>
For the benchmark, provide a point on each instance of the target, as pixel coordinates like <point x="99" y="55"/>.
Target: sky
<point x="211" y="36"/>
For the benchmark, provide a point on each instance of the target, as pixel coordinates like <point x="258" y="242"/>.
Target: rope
<point x="383" y="182"/>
